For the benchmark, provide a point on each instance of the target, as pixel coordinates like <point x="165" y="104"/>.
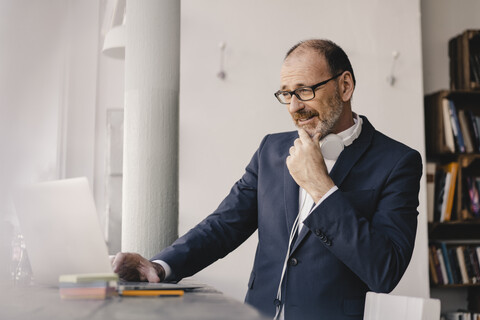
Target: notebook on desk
<point x="59" y="222"/>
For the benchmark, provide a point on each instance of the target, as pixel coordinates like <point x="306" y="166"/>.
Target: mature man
<point x="335" y="203"/>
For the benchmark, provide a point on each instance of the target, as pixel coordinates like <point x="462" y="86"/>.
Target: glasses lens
<point x="283" y="96"/>
<point x="305" y="93"/>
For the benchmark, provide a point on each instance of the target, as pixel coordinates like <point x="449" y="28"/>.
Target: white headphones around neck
<point x="332" y="145"/>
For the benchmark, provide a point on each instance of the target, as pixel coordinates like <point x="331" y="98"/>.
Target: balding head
<point x="336" y="59"/>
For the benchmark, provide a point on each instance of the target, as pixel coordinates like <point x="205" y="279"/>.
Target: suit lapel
<point x="291" y="193"/>
<point x="340" y="170"/>
<point x="352" y="153"/>
<point x="303" y="233"/>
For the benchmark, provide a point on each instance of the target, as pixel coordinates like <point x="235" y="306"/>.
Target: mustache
<point x="304" y="114"/>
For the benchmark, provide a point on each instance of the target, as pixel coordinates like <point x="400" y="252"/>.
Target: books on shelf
<point x="430" y="175"/>
<point x="464" y="54"/>
<point x="452" y="124"/>
<point x="453" y="190"/>
<point x="457" y="132"/>
<point x="460" y="315"/>
<point x="447" y="126"/>
<point x="472" y="185"/>
<point x="443" y="188"/>
<point x="454" y="264"/>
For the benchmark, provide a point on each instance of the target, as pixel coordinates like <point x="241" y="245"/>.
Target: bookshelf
<point x="452" y="136"/>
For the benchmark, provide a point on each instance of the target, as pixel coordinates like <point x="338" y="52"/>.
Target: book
<point x="94" y="293"/>
<point x="464" y="128"/>
<point x="431" y="168"/>
<point x="472" y="125"/>
<point x="473" y="196"/>
<point x="453" y="62"/>
<point x="438" y="129"/>
<point x="461" y="263"/>
<point x="87" y="285"/>
<point x="457" y="133"/>
<point x="475" y="263"/>
<point x="469" y="266"/>
<point x="457" y="315"/>
<point x="447" y="126"/>
<point x="477" y="126"/>
<point x="443" y="270"/>
<point x="446" y="259"/>
<point x="433" y="271"/>
<point x="440" y="176"/>
<point x="446" y="188"/>
<point x="88" y="277"/>
<point x="436" y="263"/>
<point x="457" y="276"/>
<point x="452" y="169"/>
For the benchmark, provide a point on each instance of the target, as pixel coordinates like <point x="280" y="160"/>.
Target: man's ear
<point x="346" y="86"/>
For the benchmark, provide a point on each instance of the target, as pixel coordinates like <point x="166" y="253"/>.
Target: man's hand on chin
<point x="307" y="166"/>
<point x="134" y="267"/>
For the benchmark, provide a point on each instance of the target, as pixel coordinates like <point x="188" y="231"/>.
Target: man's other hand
<point x="134" y="267"/>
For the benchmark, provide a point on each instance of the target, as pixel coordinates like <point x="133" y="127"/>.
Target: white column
<point x="150" y="185"/>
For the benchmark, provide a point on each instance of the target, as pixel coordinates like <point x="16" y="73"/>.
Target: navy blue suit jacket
<point x="360" y="238"/>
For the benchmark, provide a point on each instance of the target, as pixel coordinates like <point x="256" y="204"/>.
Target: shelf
<point x="455" y="230"/>
<point x="463" y="93"/>
<point x="447" y="286"/>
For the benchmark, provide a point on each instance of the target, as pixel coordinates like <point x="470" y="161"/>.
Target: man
<point x="333" y="221"/>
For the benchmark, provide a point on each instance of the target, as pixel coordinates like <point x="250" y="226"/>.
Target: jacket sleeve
<point x="377" y="246"/>
<point x="221" y="232"/>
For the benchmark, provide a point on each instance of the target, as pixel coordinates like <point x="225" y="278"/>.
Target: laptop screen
<point x="61" y="229"/>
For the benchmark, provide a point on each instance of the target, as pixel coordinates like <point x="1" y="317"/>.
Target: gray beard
<point x="325" y="126"/>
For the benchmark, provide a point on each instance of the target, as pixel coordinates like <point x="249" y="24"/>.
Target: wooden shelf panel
<point x="455" y="230"/>
<point x="447" y="286"/>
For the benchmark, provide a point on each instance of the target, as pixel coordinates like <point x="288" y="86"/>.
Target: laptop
<point x="59" y="223"/>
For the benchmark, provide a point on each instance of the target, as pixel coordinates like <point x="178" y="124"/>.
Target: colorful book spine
<point x="461" y="263"/>
<point x="456" y="127"/>
<point x="448" y="268"/>
<point x="443" y="269"/>
<point x="457" y="275"/>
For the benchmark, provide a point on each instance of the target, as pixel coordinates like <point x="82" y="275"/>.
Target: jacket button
<point x="328" y="243"/>
<point x="318" y="232"/>
<point x="293" y="262"/>
<point x="323" y="237"/>
<point x="277" y="302"/>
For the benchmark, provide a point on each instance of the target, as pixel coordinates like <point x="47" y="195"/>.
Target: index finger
<point x="118" y="261"/>
<point x="304" y="136"/>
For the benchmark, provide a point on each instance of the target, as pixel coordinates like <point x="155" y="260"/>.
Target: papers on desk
<point x="88" y="286"/>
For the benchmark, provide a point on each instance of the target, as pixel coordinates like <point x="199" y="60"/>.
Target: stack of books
<point x="461" y="315"/>
<point x="454" y="264"/>
<point x="464" y="54"/>
<point x="452" y="123"/>
<point x="88" y="286"/>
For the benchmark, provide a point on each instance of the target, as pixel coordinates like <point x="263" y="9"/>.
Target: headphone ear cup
<point x="331" y="146"/>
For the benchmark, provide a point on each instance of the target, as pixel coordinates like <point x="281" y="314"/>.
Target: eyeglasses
<point x="303" y="93"/>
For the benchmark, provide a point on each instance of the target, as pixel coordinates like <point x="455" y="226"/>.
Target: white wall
<point x="222" y="122"/>
<point x="29" y="102"/>
<point x="442" y="20"/>
<point x="48" y="72"/>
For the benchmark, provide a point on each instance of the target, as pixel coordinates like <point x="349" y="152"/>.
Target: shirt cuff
<point x="325" y="196"/>
<point x="166" y="267"/>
